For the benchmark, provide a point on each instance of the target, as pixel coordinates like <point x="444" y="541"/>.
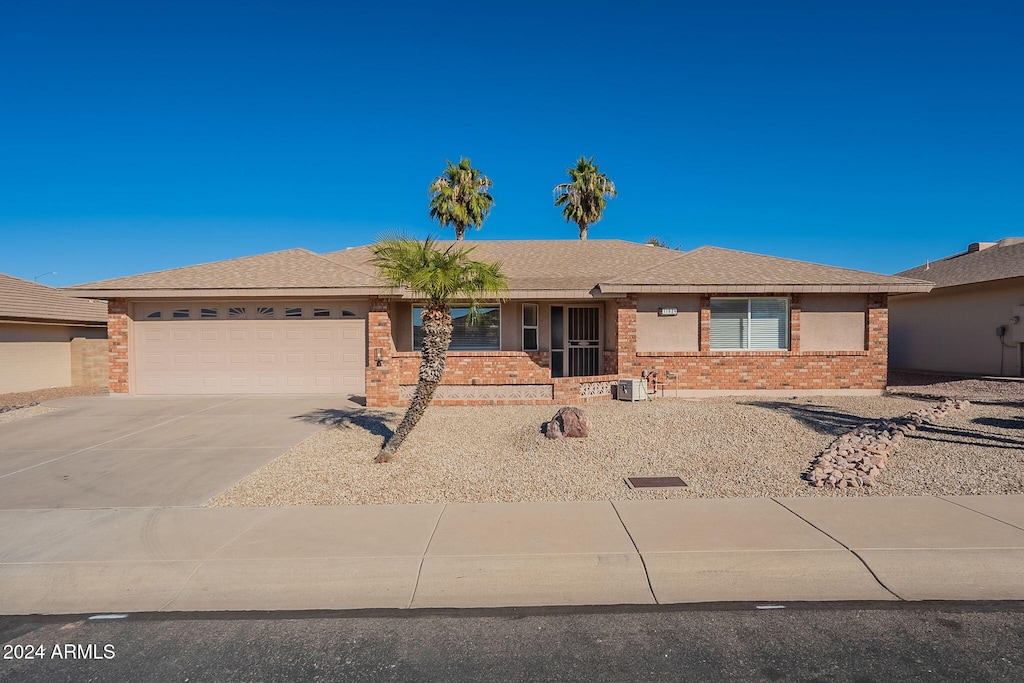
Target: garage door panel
<point x="189" y="357"/>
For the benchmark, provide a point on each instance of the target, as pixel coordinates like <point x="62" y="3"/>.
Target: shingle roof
<point x="1004" y="259"/>
<point x="716" y="269"/>
<point x="290" y="269"/>
<point x="548" y="264"/>
<point x="556" y="267"/>
<point x="30" y="301"/>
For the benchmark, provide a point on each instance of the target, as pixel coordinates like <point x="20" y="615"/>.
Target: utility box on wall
<point x="1017" y="329"/>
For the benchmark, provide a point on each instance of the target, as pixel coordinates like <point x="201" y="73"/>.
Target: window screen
<point x="752" y="324"/>
<point x="482" y="334"/>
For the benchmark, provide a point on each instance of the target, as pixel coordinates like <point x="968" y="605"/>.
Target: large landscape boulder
<point x="568" y="421"/>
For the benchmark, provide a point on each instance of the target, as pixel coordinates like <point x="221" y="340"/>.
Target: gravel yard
<point x="22" y="404"/>
<point x="724" y="447"/>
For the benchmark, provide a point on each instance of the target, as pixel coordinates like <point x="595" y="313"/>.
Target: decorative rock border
<point x="857" y="458"/>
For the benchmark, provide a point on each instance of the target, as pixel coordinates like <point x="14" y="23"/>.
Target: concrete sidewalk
<point x="521" y="554"/>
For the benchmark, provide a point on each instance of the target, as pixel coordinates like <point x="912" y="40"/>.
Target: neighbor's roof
<point x="541" y="268"/>
<point x="290" y="272"/>
<point x="713" y="269"/>
<point x="998" y="261"/>
<point x="26" y="301"/>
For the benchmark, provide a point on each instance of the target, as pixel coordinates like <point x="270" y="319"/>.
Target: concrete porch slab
<point x="761" y="575"/>
<point x="950" y="574"/>
<point x="536" y="580"/>
<point x="904" y="523"/>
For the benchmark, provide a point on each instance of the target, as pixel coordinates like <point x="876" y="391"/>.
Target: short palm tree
<point x="584" y="198"/>
<point x="441" y="276"/>
<point x="460" y="197"/>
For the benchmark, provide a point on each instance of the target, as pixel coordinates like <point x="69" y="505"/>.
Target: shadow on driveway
<point x="371" y="421"/>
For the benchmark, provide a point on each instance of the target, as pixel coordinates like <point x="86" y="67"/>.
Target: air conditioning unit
<point x="632" y="390"/>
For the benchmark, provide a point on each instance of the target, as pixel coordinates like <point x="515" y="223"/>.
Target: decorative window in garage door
<point x="250" y="310"/>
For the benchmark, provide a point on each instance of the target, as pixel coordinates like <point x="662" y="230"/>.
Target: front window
<point x="481" y="334"/>
<point x="756" y="324"/>
<point x="530" y="318"/>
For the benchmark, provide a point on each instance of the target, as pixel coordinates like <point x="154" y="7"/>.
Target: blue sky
<point x="138" y="136"/>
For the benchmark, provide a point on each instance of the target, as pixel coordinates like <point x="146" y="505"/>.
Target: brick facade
<point x="703" y="370"/>
<point x="117" y="344"/>
<point x="381" y="369"/>
<point x="708" y="370"/>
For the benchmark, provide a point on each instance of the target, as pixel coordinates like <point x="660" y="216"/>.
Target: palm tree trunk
<point x="583" y="230"/>
<point x="460" y="233"/>
<point x="437" y="336"/>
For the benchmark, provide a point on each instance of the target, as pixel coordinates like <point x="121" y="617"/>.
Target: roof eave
<point x="902" y="288"/>
<point x="71" y="322"/>
<point x="169" y="293"/>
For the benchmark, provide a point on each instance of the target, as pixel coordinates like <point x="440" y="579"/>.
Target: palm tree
<point x="583" y="200"/>
<point x="460" y="197"/>
<point x="441" y="277"/>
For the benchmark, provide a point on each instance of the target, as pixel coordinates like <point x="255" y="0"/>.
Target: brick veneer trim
<point x="117" y="345"/>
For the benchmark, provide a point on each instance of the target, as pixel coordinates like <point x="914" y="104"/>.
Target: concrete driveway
<point x="103" y="451"/>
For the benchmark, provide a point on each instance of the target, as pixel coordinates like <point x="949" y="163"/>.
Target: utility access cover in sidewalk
<point x="653" y="482"/>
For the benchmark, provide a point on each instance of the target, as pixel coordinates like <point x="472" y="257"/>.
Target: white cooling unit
<point x="632" y="390"/>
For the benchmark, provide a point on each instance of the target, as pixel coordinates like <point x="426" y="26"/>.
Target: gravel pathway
<point x="724" y="447"/>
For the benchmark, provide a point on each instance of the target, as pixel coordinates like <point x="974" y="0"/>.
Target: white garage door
<point x="249" y="356"/>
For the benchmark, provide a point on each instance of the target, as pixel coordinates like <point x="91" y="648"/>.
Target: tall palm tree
<point x="460" y="198"/>
<point x="584" y="198"/>
<point x="440" y="277"/>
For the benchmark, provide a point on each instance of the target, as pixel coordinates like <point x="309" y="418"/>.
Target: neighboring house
<point x="972" y="322"/>
<point x="49" y="339"/>
<point x="579" y="315"/>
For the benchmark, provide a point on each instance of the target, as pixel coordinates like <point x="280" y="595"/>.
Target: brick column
<point x="117" y="345"/>
<point x="795" y="302"/>
<point x="382" y="379"/>
<point x="704" y="340"/>
<point x="627" y="364"/>
<point x="878" y="338"/>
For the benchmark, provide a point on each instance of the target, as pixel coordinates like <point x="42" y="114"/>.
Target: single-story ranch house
<point x="972" y="322"/>
<point x="49" y="339"/>
<point x="579" y="316"/>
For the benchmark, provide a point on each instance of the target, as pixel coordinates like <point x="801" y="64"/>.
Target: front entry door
<point x="575" y="341"/>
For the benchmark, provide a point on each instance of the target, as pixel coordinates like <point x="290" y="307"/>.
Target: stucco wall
<point x="833" y="322"/>
<point x="668" y="333"/>
<point x="26" y="366"/>
<point x="39" y="356"/>
<point x="90" y="362"/>
<point x="954" y="329"/>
